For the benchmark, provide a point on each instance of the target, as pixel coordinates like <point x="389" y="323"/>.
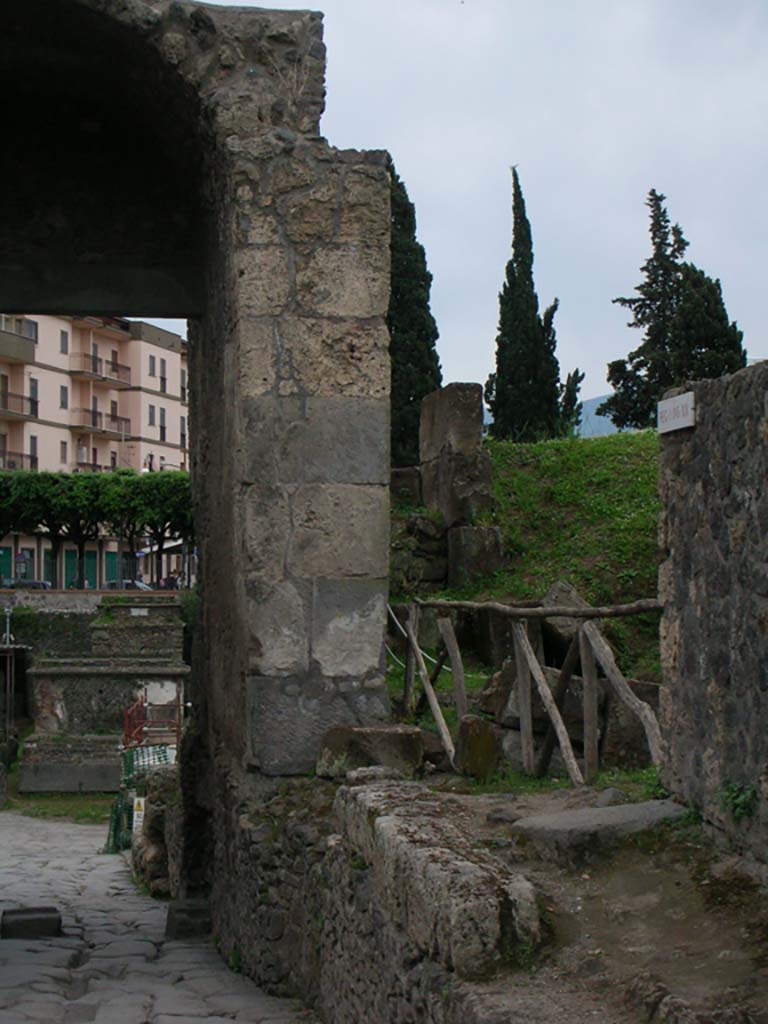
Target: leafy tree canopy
<point x="686" y="331"/>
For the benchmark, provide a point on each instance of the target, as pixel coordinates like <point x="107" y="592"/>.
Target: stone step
<point x="573" y="838"/>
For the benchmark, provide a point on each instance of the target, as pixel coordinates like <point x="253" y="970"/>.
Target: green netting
<point x="137" y="761"/>
<point x="119" y="836"/>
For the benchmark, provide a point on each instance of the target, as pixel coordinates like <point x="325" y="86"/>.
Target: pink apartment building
<point x="87" y="394"/>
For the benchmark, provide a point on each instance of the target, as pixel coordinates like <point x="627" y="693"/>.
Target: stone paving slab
<point x="112" y="965"/>
<point x="574" y="837"/>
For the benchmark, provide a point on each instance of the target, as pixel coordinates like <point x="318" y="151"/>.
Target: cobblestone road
<point x="112" y="966"/>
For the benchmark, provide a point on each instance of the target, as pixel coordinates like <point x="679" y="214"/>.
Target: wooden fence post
<point x="589" y="684"/>
<point x="621" y="688"/>
<point x="524" y="697"/>
<point x="412" y="620"/>
<point x="561" y="692"/>
<point x="445" y="626"/>
<point x="434" y="704"/>
<point x="522" y="642"/>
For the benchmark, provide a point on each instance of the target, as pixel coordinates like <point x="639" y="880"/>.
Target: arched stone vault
<point x="163" y="158"/>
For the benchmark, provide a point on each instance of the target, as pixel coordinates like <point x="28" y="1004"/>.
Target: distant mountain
<point x="593" y="425"/>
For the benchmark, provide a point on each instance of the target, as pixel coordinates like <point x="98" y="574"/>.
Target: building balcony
<point x="17" y="460"/>
<point x="18" y="406"/>
<point x="15" y="348"/>
<point x="119" y="425"/>
<point x="99" y="423"/>
<point x="103" y="371"/>
<point x="90" y="467"/>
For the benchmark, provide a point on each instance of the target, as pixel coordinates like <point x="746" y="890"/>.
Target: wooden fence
<point x="588" y="646"/>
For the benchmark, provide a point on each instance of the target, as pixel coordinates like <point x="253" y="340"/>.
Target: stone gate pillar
<point x="291" y="389"/>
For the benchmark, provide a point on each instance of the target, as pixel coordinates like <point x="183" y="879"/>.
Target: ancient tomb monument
<point x="714" y="586"/>
<point x="167" y="161"/>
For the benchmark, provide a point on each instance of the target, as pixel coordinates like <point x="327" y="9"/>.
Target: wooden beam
<point x="523" y="683"/>
<point x="523" y="645"/>
<point x="410" y="660"/>
<point x="560" y="694"/>
<point x="553" y="612"/>
<point x="434" y="705"/>
<point x="621" y="688"/>
<point x="589" y="685"/>
<point x="445" y="626"/>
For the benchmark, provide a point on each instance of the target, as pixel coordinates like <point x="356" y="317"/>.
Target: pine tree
<point x="412" y="328"/>
<point x="525" y="394"/>
<point x="687" y="332"/>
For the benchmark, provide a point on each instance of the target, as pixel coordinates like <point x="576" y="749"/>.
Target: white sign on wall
<point x="676" y="413"/>
<point x="138" y="813"/>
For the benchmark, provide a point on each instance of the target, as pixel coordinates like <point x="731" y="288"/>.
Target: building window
<point x="113" y="460"/>
<point x="162" y="423"/>
<point x="63" y="452"/>
<point x="33" y="395"/>
<point x="64" y="342"/>
<point x="151" y="415"/>
<point x="63" y="397"/>
<point x="30" y="329"/>
<point x="33" y="446"/>
<point x="163" y="377"/>
<point x="183" y="385"/>
<point x="183" y="431"/>
<point x="152" y="367"/>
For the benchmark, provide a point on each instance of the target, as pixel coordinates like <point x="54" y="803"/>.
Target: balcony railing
<point x="18" y="405"/>
<point x="81" y="363"/>
<point x="117" y="425"/>
<point x="89" y="467"/>
<point x="17" y="460"/>
<point x="90" y="419"/>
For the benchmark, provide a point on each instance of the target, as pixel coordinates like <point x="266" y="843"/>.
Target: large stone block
<point x="365" y="205"/>
<point x="289" y="716"/>
<point x="30" y="923"/>
<point x="333" y="357"/>
<point x="473" y="551"/>
<point x="459" y="485"/>
<point x="346" y="281"/>
<point x="317" y="439"/>
<point x="478" y="747"/>
<point x="451" y="417"/>
<point x="278" y="616"/>
<point x="268" y="530"/>
<point x="345" y="748"/>
<point x="348" y="624"/>
<point x="265" y="280"/>
<point x="340" y="530"/>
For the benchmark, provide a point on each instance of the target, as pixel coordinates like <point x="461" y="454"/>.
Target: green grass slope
<point x="583" y="510"/>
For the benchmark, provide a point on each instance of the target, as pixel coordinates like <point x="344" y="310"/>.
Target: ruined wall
<point x="229" y="208"/>
<point x="714" y="585"/>
<point x="372" y="905"/>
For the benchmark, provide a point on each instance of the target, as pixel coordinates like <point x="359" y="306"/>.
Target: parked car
<point x="127" y="585"/>
<point x="23" y="584"/>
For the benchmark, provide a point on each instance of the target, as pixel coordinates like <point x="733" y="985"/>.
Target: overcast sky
<point x="596" y="102"/>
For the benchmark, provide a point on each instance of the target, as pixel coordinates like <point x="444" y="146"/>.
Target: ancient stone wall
<point x="371" y="905"/>
<point x="714" y="586"/>
<point x="228" y="207"/>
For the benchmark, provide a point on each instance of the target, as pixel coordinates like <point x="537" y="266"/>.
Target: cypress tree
<point x="687" y="334"/>
<point x="524" y="394"/>
<point x="412" y="329"/>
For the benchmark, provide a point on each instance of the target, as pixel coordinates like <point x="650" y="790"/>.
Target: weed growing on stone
<point x="739" y="798"/>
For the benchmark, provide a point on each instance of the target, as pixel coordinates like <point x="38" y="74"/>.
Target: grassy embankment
<point x="585" y="511"/>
